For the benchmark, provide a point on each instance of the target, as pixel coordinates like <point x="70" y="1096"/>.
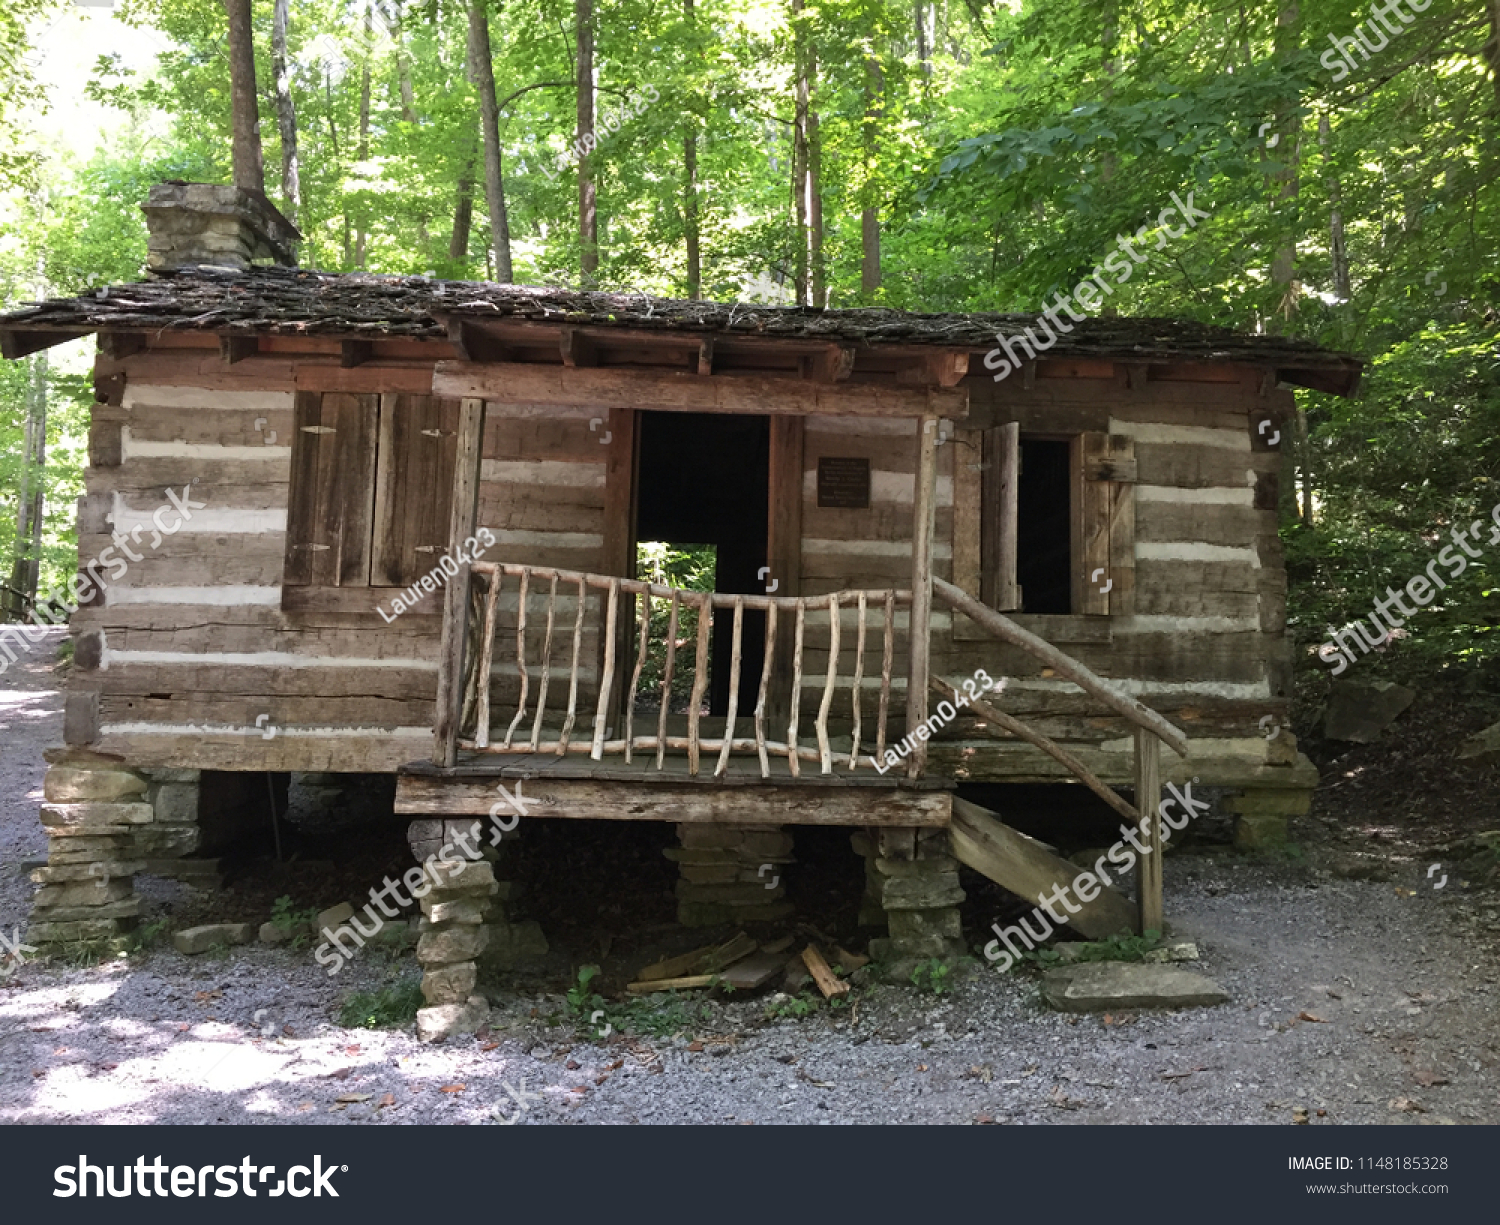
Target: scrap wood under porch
<point x="829" y="984"/>
<point x="706" y="960"/>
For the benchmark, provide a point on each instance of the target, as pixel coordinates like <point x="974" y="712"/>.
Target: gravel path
<point x="1356" y="1001"/>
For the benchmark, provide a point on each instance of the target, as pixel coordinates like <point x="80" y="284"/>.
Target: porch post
<point x="919" y="635"/>
<point x="1148" y="881"/>
<point x="461" y="521"/>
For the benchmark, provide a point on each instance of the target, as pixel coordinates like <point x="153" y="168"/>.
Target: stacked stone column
<point x="731" y="874"/>
<point x="95" y="806"/>
<point x="452" y="936"/>
<point x="913" y="877"/>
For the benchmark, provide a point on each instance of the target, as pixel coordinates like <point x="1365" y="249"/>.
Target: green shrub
<point x="391" y="1007"/>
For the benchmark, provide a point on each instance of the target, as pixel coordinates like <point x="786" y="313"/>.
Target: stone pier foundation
<point x="731" y="874"/>
<point x="464" y="928"/>
<point x="94" y="807"/>
<point x="912" y="876"/>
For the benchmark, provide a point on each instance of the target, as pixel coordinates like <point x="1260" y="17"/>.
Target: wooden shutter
<point x="1000" y="518"/>
<point x="1104" y="524"/>
<point x="332" y="490"/>
<point x="413" y="487"/>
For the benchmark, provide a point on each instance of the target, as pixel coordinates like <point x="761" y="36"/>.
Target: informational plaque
<point x="844" y="482"/>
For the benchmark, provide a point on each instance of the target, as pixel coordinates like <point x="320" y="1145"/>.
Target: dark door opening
<point x="1044" y="563"/>
<point x="703" y="479"/>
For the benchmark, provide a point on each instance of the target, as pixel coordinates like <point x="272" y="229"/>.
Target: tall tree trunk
<point x="690" y="221"/>
<point x="482" y="72"/>
<point x="800" y="152"/>
<point x="807" y="159"/>
<point x="362" y="153"/>
<point x="924" y="46"/>
<point x="1491" y="49"/>
<point x="25" y="572"/>
<point x="1338" y="253"/>
<point x="408" y="103"/>
<point x="249" y="172"/>
<point x="869" y="216"/>
<point x="286" y="112"/>
<point x="819" y="272"/>
<point x="1286" y="183"/>
<point x="463" y="213"/>
<point x="588" y="208"/>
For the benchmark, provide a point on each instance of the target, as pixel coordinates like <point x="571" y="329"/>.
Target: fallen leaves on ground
<point x="453" y="1088"/>
<point x="202" y="997"/>
<point x="349" y="1099"/>
<point x="1406" y="1105"/>
<point x="1427" y="1078"/>
<point x="1316" y="1020"/>
<point x="386" y="1099"/>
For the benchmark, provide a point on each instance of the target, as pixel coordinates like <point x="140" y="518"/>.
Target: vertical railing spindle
<point x="607" y="680"/>
<point x="734" y="686"/>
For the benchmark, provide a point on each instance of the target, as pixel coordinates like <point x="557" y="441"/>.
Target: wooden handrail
<point x="1020" y="731"/>
<point x="806" y="615"/>
<point x="1008" y="631"/>
<point x="709" y="599"/>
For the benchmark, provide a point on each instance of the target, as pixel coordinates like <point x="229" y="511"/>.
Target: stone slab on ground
<point x="445" y="1020"/>
<point x="1358" y="711"/>
<point x="1110" y="986"/>
<point x="200" y="939"/>
<point x="1482" y="749"/>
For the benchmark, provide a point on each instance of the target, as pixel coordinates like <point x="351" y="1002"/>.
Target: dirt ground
<point x="1362" y="984"/>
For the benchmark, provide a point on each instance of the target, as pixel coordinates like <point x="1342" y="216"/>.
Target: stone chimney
<point x="205" y="223"/>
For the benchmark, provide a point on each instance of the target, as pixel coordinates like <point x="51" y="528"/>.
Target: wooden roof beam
<point x="119" y="345"/>
<point x="706" y="356"/>
<point x="17" y="342"/>
<point x="833" y="365"/>
<point x="685" y="391"/>
<point x="577" y="347"/>
<point x="939" y="368"/>
<point x="355" y="353"/>
<point x="237" y="348"/>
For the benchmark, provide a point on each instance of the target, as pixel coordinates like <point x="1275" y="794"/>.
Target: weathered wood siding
<point x="187" y="658"/>
<point x="1204" y="643"/>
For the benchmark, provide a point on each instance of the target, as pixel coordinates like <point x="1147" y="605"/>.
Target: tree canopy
<point x="947" y="155"/>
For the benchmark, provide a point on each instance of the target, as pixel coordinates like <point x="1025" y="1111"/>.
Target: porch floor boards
<point x="742" y="771"/>
<point x="579" y="787"/>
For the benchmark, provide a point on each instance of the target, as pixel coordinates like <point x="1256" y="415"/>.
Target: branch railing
<point x="1151" y="730"/>
<point x="792" y="619"/>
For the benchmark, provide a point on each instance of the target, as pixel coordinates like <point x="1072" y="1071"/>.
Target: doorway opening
<point x="702" y="509"/>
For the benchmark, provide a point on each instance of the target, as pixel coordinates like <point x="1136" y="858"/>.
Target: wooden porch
<point x="540" y="681"/>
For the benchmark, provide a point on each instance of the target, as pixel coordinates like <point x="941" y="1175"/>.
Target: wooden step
<point x="1025" y="867"/>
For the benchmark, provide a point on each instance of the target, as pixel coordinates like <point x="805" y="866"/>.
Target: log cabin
<point x="410" y="547"/>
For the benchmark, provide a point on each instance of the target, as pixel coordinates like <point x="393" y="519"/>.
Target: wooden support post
<point x="919" y="632"/>
<point x="461" y="522"/>
<point x="1147" y="799"/>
